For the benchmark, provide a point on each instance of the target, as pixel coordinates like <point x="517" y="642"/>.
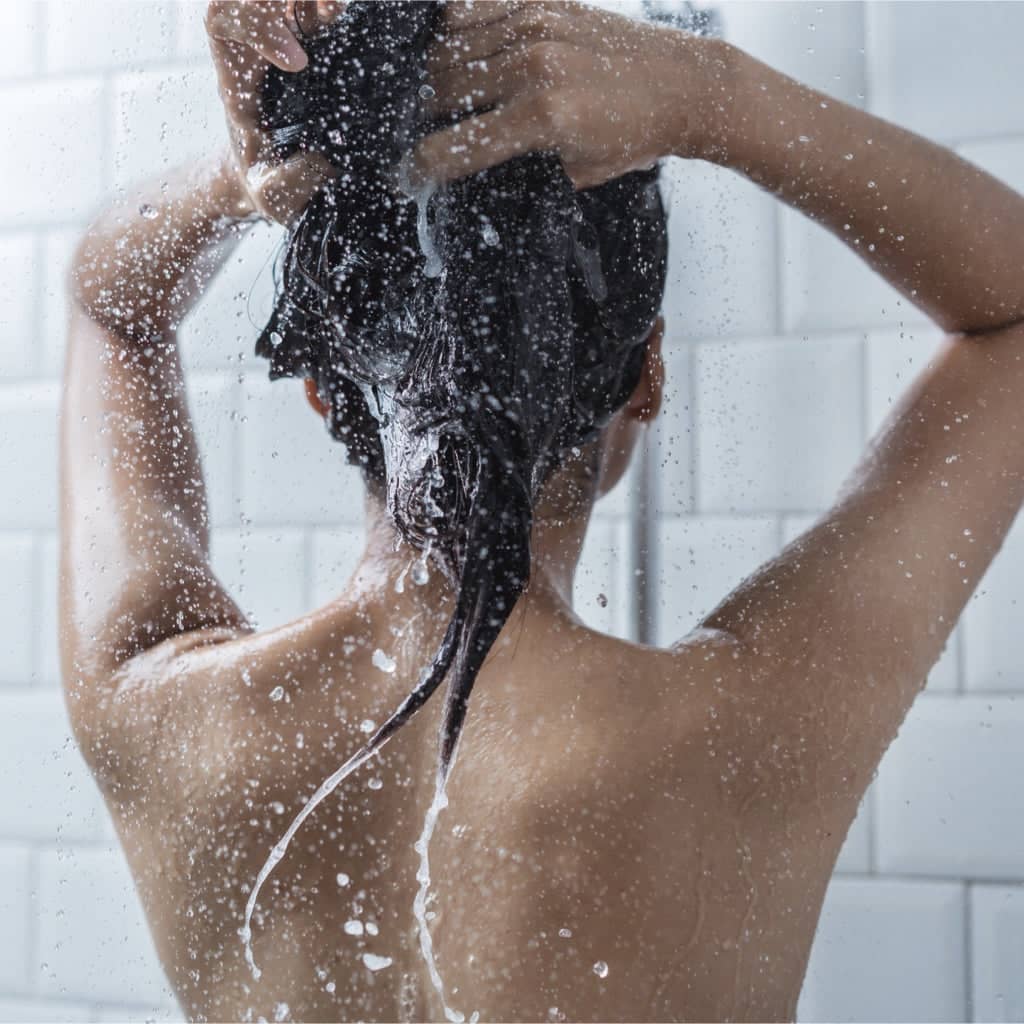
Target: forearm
<point x="144" y="262"/>
<point x="946" y="234"/>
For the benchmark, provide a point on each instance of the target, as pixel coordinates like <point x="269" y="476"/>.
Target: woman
<point x="630" y="833"/>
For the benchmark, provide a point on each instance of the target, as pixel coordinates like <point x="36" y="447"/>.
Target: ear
<point x="645" y="402"/>
<point x="314" y="398"/>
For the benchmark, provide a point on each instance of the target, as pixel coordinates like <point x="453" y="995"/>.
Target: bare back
<point x="601" y="856"/>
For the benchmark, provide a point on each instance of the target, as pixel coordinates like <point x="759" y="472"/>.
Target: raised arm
<point x="134" y="529"/>
<point x="835" y="637"/>
<point x="134" y="534"/>
<point x="842" y="628"/>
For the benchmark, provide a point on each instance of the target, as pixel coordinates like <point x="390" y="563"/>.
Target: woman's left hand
<point x="608" y="93"/>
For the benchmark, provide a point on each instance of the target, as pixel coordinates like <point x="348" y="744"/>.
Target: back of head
<point x="463" y="341"/>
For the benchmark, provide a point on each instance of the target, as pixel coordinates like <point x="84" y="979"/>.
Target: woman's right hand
<point x="245" y="37"/>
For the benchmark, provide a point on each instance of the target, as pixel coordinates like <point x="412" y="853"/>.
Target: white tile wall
<point x="44" y="1011"/>
<point x="949" y="797"/>
<point x="334" y="555"/>
<point x="63" y="179"/>
<point x="888" y="950"/>
<point x="778" y="342"/>
<point x="163" y="117"/>
<point x="93" y="939"/>
<point x="265" y="571"/>
<point x="58" y="247"/>
<point x="800" y="462"/>
<point x="700" y="560"/>
<point x="20" y="29"/>
<point x="17" y="601"/>
<point x="606" y="579"/>
<point x="28" y="442"/>
<point x="826" y="287"/>
<point x="18" y="271"/>
<point x="945" y="69"/>
<point x="820" y="44"/>
<point x="16" y="898"/>
<point x="292" y="470"/>
<point x="721" y="272"/>
<point x="991" y="623"/>
<point x="670" y="447"/>
<point x="81" y="38"/>
<point x="46" y="790"/>
<point x="997" y="932"/>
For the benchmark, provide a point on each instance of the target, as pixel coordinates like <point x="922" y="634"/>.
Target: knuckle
<point x="548" y="109"/>
<point x="544" y="58"/>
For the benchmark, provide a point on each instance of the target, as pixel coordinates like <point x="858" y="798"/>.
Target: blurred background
<point x="784" y="354"/>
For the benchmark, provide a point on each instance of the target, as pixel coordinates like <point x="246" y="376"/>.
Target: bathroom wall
<point x="783" y="354"/>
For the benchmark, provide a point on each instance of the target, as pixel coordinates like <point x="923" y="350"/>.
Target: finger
<point x="263" y="27"/>
<point x="328" y="11"/>
<point x="534" y="23"/>
<point x="281" y="191"/>
<point x="463" y="13"/>
<point x="479" y="142"/>
<point x="499" y="79"/>
<point x="307" y="16"/>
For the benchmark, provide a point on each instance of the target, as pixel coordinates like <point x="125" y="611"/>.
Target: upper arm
<point x="841" y="629"/>
<point x="134" y="534"/>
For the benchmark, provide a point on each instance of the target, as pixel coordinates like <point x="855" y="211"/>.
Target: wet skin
<point x="679" y="812"/>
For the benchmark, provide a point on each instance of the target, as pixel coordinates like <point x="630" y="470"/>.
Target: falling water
<point x="419" y="907"/>
<point x="421" y="194"/>
<point x="328" y="786"/>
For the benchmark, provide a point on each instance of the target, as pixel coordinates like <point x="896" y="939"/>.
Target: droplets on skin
<point x="384" y="662"/>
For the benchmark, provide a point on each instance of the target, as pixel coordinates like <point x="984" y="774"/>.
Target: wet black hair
<point x="458" y="383"/>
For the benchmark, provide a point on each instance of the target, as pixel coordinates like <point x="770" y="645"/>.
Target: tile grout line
<point x="968" y="902"/>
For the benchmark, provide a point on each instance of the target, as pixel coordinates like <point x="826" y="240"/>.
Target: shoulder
<point x="124" y="720"/>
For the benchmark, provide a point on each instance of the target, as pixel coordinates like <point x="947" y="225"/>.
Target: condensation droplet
<point x="383" y="662"/>
<point x="367" y="725"/>
<point x="149" y="212"/>
<point x="277" y="693"/>
<point x="353" y="927"/>
<point x="342" y="879"/>
<point x="601" y="969"/>
<point x="376" y="963"/>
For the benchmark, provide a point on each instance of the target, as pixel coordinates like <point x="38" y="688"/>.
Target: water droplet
<point x="376" y="963"/>
<point x="330" y="987"/>
<point x="601" y="969"/>
<point x="149" y="212"/>
<point x="602" y="600"/>
<point x="427" y="91"/>
<point x="281" y="1011"/>
<point x="371" y="928"/>
<point x="490" y="235"/>
<point x="565" y="933"/>
<point x="353" y="927"/>
<point x="342" y="879"/>
<point x="277" y="693"/>
<point x="375" y="783"/>
<point x="383" y="662"/>
<point x="275" y="339"/>
<point x="367" y="725"/>
<point x="420" y="572"/>
<point x="277" y="807"/>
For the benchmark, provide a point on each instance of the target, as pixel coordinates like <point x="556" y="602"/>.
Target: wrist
<point x="230" y="196"/>
<point x="708" y="73"/>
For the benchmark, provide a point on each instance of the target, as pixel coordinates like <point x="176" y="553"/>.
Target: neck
<point x="556" y="543"/>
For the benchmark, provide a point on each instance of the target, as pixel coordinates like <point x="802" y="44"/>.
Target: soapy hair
<point x="463" y="339"/>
